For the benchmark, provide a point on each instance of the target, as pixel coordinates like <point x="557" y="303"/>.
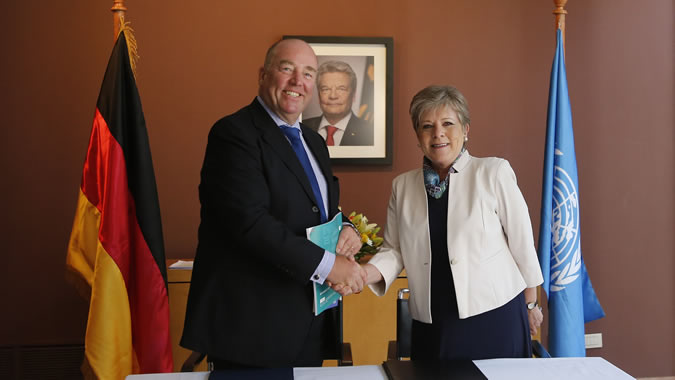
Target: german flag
<point x="116" y="249"/>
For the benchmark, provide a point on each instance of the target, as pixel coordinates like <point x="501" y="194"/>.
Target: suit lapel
<point x="350" y="135"/>
<point x="273" y="136"/>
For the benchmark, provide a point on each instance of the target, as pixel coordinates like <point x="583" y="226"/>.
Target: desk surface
<point x="592" y="368"/>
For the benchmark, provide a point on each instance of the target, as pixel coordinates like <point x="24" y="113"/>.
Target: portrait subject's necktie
<point x="330" y="131"/>
<point x="293" y="135"/>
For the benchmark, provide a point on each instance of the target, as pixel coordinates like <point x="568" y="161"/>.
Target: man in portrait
<point x="338" y="125"/>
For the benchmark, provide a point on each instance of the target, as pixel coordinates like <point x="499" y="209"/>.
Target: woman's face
<point x="441" y="136"/>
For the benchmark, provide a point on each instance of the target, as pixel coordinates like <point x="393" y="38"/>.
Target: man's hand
<point x="371" y="275"/>
<point x="347" y="276"/>
<point x="349" y="242"/>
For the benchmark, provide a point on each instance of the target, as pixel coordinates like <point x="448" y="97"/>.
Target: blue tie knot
<point x="293" y="134"/>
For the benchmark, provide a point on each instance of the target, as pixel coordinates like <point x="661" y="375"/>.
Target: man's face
<point x="335" y="95"/>
<point x="286" y="85"/>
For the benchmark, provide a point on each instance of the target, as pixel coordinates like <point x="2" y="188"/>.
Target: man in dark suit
<point x="251" y="294"/>
<point x="336" y="84"/>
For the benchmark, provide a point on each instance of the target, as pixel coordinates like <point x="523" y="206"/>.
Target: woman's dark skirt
<point x="498" y="333"/>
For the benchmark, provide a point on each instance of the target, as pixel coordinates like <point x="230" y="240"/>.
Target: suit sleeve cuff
<point x="324" y="268"/>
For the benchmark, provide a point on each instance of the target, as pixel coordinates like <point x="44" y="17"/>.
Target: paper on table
<point x="181" y="264"/>
<point x="589" y="368"/>
<point x="325" y="236"/>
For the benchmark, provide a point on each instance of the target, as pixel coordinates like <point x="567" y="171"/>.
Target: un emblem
<point x="566" y="254"/>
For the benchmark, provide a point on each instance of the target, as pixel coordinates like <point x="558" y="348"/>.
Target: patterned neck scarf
<point x="432" y="181"/>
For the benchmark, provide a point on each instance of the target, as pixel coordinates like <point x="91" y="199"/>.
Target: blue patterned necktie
<point x="293" y="135"/>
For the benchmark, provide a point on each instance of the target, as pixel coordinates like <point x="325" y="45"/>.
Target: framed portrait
<point x="351" y="107"/>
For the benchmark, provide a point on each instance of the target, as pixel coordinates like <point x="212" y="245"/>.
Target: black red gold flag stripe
<point x="116" y="248"/>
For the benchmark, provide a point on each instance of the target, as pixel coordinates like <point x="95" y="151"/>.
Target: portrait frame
<point x="375" y="86"/>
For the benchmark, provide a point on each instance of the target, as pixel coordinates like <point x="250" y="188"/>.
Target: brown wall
<point x="199" y="62"/>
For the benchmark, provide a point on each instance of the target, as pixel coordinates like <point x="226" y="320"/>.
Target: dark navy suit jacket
<point x="250" y="297"/>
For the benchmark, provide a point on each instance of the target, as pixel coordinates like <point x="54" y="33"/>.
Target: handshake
<point x="348" y="277"/>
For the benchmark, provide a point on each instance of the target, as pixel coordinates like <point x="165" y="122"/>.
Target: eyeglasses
<point x="341" y="90"/>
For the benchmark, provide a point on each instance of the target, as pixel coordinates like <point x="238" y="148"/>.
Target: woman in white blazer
<point x="460" y="227"/>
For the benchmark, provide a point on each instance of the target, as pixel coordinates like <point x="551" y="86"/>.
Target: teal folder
<point x="325" y="236"/>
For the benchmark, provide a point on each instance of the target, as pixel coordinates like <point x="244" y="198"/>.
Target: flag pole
<point x="118" y="9"/>
<point x="560" y="13"/>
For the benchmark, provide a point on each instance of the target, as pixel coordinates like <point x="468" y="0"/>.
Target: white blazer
<point x="490" y="243"/>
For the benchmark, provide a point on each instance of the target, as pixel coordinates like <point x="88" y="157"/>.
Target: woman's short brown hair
<point x="434" y="97"/>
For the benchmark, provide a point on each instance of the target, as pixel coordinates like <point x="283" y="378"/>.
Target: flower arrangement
<point x="370" y="242"/>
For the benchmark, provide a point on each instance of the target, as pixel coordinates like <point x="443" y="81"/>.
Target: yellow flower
<point x="370" y="242"/>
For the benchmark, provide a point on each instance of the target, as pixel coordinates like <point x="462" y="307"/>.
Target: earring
<point x="466" y="138"/>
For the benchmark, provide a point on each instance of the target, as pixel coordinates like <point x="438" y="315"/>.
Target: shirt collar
<point x="342" y="124"/>
<point x="277" y="120"/>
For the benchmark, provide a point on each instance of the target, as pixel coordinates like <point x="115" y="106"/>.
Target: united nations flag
<point x="571" y="298"/>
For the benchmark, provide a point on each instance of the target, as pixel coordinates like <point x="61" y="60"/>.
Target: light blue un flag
<point x="571" y="298"/>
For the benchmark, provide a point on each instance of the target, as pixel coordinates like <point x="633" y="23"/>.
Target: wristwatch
<point x="532" y="305"/>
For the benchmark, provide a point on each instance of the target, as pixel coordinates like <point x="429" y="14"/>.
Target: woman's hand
<point x="373" y="275"/>
<point x="346" y="277"/>
<point x="370" y="275"/>
<point x="535" y="317"/>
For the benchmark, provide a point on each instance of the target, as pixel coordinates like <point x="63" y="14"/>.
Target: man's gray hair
<point x="338" y="67"/>
<point x="269" y="55"/>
